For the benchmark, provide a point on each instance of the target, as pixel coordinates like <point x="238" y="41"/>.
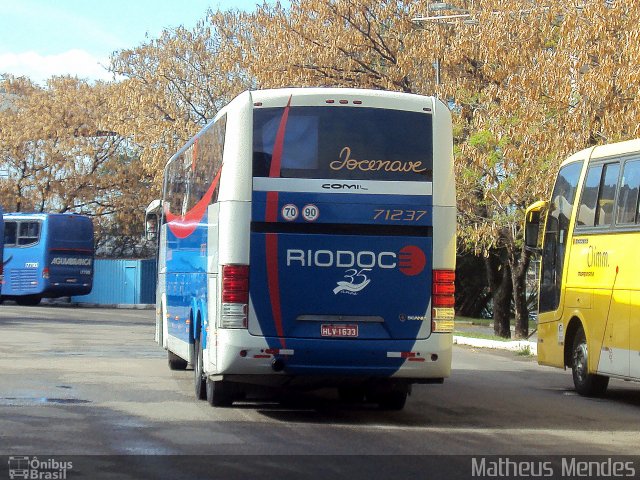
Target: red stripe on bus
<point x="184" y="225"/>
<point x="271" y="241"/>
<point x="276" y="158"/>
<point x="273" y="282"/>
<point x="271" y="214"/>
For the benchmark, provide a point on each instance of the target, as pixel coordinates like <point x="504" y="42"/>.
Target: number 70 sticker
<point x="289" y="212"/>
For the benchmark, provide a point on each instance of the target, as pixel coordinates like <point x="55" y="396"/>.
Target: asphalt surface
<point x="78" y="381"/>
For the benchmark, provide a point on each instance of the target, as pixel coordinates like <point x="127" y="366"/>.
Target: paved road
<point x="92" y="381"/>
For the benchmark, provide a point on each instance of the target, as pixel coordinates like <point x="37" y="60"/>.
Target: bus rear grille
<point x="23" y="279"/>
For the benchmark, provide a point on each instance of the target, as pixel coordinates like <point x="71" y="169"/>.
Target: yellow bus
<point x="589" y="293"/>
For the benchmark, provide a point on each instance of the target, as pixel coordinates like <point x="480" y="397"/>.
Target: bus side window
<point x="28" y="233"/>
<point x="10" y="231"/>
<point x="628" y="195"/>
<point x="175" y="187"/>
<point x="604" y="213"/>
<point x="589" y="199"/>
<point x="557" y="225"/>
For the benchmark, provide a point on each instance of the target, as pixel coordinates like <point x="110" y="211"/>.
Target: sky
<point x="42" y="38"/>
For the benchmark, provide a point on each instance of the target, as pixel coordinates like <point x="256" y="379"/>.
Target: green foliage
<point x="482" y="140"/>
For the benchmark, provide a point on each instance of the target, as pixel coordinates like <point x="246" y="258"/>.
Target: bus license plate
<point x="339" y="330"/>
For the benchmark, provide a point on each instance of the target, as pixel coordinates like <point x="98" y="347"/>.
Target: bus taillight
<point x="45" y="273"/>
<point x="443" y="300"/>
<point x="235" y="296"/>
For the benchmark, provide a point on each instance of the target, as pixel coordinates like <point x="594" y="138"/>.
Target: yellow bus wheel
<point x="587" y="384"/>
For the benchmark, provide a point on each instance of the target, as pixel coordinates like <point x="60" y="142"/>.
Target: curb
<point x="68" y="304"/>
<point x="514" y="346"/>
<point x="129" y="306"/>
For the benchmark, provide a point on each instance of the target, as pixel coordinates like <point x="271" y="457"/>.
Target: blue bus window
<point x="10" y="229"/>
<point x="29" y="233"/>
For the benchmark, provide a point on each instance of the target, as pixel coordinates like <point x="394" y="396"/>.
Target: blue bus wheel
<point x="28" y="300"/>
<point x="351" y="394"/>
<point x="198" y="372"/>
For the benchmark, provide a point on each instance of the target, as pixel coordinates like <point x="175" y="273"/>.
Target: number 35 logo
<point x="353" y="286"/>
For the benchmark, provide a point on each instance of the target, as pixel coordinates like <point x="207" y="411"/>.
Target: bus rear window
<point x="70" y="232"/>
<point x="345" y="143"/>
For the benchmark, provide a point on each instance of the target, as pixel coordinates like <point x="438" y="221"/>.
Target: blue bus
<point x="307" y="239"/>
<point x="47" y="255"/>
<point x="1" y="249"/>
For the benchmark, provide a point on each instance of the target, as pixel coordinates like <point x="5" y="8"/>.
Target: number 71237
<point x="399" y="215"/>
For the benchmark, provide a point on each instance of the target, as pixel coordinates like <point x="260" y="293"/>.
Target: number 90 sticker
<point x="310" y="212"/>
<point x="289" y="212"/>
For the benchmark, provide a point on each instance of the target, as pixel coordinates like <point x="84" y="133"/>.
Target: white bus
<point x="307" y="239"/>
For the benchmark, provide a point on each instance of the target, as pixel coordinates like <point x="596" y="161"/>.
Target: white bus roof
<point x="617" y="149"/>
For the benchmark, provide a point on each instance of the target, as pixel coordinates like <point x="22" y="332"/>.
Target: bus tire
<point x="393" y="400"/>
<point x="586" y="384"/>
<point x="389" y="396"/>
<point x="198" y="373"/>
<point x="351" y="394"/>
<point x="176" y="362"/>
<point x="219" y="393"/>
<point x="29" y="300"/>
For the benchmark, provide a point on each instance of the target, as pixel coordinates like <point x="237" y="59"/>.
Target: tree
<point x="529" y="83"/>
<point x="174" y="85"/>
<point x="60" y="155"/>
<point x="352" y="43"/>
<point x="361" y="43"/>
<point x="533" y="83"/>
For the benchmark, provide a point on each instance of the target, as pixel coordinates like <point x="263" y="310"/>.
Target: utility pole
<point x="447" y="14"/>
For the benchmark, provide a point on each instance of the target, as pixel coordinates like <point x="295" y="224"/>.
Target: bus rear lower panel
<point x="317" y="363"/>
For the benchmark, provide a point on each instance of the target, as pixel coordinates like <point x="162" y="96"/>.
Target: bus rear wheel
<point x="219" y="393"/>
<point x="198" y="372"/>
<point x="352" y="394"/>
<point x="587" y="384"/>
<point x="176" y="362"/>
<point x="394" y="400"/>
<point x="389" y="396"/>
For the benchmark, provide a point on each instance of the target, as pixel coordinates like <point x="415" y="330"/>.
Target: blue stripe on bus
<point x="347" y="208"/>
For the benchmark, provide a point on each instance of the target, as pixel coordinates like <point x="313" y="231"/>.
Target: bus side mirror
<point x="532" y="231"/>
<point x="151" y="226"/>
<point x="152" y="219"/>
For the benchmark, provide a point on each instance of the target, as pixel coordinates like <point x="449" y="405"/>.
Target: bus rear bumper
<point x="414" y="361"/>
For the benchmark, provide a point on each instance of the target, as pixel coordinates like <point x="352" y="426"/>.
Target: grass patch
<point x="488" y="322"/>
<point x="525" y="351"/>
<point x="484" y="336"/>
